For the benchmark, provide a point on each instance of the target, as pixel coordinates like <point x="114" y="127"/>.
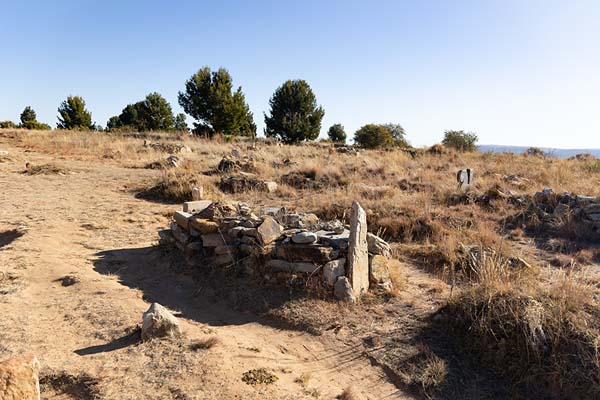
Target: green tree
<point x="35" y="125"/>
<point x="460" y="140"/>
<point x="398" y="134"/>
<point x="209" y="99"/>
<point x="372" y="136"/>
<point x="7" y="125"/>
<point x="180" y="123"/>
<point x="151" y="114"/>
<point x="295" y="115"/>
<point x="74" y="115"/>
<point x="336" y="133"/>
<point x="28" y="115"/>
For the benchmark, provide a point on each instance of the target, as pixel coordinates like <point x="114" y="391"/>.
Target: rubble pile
<point x="549" y="206"/>
<point x="347" y="259"/>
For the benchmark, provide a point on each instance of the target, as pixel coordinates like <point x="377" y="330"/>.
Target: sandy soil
<point x="87" y="223"/>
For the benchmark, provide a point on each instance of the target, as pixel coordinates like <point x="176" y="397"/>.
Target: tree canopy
<point x="460" y="140"/>
<point x="372" y="136"/>
<point x="74" y="115"/>
<point x="295" y="115"/>
<point x="336" y="133"/>
<point x="209" y="99"/>
<point x="154" y="113"/>
<point x="28" y="115"/>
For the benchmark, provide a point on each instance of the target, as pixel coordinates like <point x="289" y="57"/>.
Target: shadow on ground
<point x="7" y="237"/>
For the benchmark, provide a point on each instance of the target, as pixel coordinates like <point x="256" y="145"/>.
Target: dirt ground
<point x="87" y="223"/>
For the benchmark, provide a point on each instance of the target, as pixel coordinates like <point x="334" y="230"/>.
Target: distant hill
<point x="560" y="153"/>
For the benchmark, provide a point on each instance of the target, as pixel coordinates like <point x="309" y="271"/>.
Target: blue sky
<point x="518" y="72"/>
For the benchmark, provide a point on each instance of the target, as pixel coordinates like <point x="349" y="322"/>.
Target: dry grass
<point x="205" y="344"/>
<point x="45" y="169"/>
<point x="350" y="393"/>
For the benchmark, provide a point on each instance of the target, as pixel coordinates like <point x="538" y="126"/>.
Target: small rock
<point x="159" y="322"/>
<point x="306" y="252"/>
<point x="304" y="237"/>
<point x="378" y="246"/>
<point x="204" y="226"/>
<point x="268" y="231"/>
<point x="69" y="280"/>
<point x="19" y="379"/>
<point x="342" y="290"/>
<point x="379" y="273"/>
<point x="333" y="270"/>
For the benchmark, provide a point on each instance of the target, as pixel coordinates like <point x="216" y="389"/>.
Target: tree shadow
<point x="119" y="343"/>
<point x="7" y="237"/>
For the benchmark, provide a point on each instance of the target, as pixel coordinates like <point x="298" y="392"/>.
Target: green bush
<point x="373" y="136"/>
<point x="209" y="99"/>
<point x="28" y="115"/>
<point x="398" y="134"/>
<point x="295" y="115"/>
<point x="35" y="125"/>
<point x="460" y="140"/>
<point x="7" y="125"/>
<point x="336" y="133"/>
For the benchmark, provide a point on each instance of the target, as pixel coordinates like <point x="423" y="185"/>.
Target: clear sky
<point x="516" y="72"/>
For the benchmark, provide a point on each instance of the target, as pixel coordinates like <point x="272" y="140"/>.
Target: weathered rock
<point x="194" y="207"/>
<point x="561" y="210"/>
<point x="268" y="186"/>
<point x="194" y="250"/>
<point x="218" y="211"/>
<point x="226" y="249"/>
<point x="159" y="322"/>
<point x="19" y="379"/>
<point x="284" y="266"/>
<point x="183" y="219"/>
<point x="214" y="240"/>
<point x="379" y="273"/>
<point x="306" y="252"/>
<point x="333" y="270"/>
<point x="299" y="220"/>
<point x="204" y="226"/>
<point x="197" y="193"/>
<point x="165" y="237"/>
<point x="304" y="237"/>
<point x="268" y="231"/>
<point x="228" y="223"/>
<point x="342" y="290"/>
<point x="179" y="234"/>
<point x="224" y="259"/>
<point x="378" y="246"/>
<point x="239" y="231"/>
<point x="336" y="240"/>
<point x="358" y="256"/>
<point x="275" y="212"/>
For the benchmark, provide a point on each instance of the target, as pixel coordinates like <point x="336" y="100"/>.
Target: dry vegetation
<point x="522" y="297"/>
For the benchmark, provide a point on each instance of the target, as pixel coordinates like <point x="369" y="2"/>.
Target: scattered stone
<point x="213" y="240"/>
<point x="379" y="273"/>
<point x="358" y="257"/>
<point x="336" y="240"/>
<point x="197" y="206"/>
<point x="283" y="266"/>
<point x="342" y="290"/>
<point x="159" y="322"/>
<point x="268" y="231"/>
<point x="20" y="379"/>
<point x="204" y="226"/>
<point x="183" y="219"/>
<point x="377" y="245"/>
<point x="333" y="270"/>
<point x="316" y="253"/>
<point x="304" y="237"/>
<point x="69" y="280"/>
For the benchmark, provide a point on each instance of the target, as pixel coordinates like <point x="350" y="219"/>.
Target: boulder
<point x="315" y="253"/>
<point x="179" y="234"/>
<point x="304" y="237"/>
<point x="165" y="236"/>
<point x="379" y="273"/>
<point x="19" y="379"/>
<point x="358" y="256"/>
<point x="204" y="226"/>
<point x="378" y="246"/>
<point x="333" y="270"/>
<point x="275" y="212"/>
<point x="336" y="240"/>
<point x="283" y="266"/>
<point x="194" y="207"/>
<point x="268" y="231"/>
<point x="342" y="290"/>
<point x="158" y="322"/>
<point x="183" y="219"/>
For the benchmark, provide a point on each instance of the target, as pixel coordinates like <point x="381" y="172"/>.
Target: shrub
<point x="74" y="115"/>
<point x="535" y="152"/>
<point x="154" y="113"/>
<point x="7" y="125"/>
<point x="209" y="98"/>
<point x="35" y="125"/>
<point x="373" y="136"/>
<point x="460" y="140"/>
<point x="28" y="115"/>
<point x="336" y="133"/>
<point x="295" y="115"/>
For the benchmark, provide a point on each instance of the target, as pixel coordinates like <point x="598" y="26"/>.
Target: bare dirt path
<point x="86" y="224"/>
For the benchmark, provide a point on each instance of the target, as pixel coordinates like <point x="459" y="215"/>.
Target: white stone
<point x="183" y="219"/>
<point x="197" y="193"/>
<point x="358" y="255"/>
<point x="304" y="237"/>
<point x="159" y="322"/>
<point x="194" y="207"/>
<point x="342" y="290"/>
<point x="378" y="246"/>
<point x="333" y="270"/>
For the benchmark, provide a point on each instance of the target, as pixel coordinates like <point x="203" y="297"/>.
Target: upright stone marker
<point x="464" y="177"/>
<point x="358" y="255"/>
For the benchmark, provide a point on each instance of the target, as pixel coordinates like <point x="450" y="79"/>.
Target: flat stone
<point x="165" y="236"/>
<point x="358" y="255"/>
<point x="268" y="231"/>
<point x="284" y="266"/>
<point x="213" y="240"/>
<point x="204" y="226"/>
<point x="183" y="219"/>
<point x="299" y="220"/>
<point x="342" y="290"/>
<point x="304" y="237"/>
<point x="20" y="379"/>
<point x="226" y="249"/>
<point x="378" y="246"/>
<point x="179" y="234"/>
<point x="224" y="259"/>
<point x="333" y="270"/>
<point x="337" y="240"/>
<point x="306" y="252"/>
<point x="158" y="322"/>
<point x="196" y="206"/>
